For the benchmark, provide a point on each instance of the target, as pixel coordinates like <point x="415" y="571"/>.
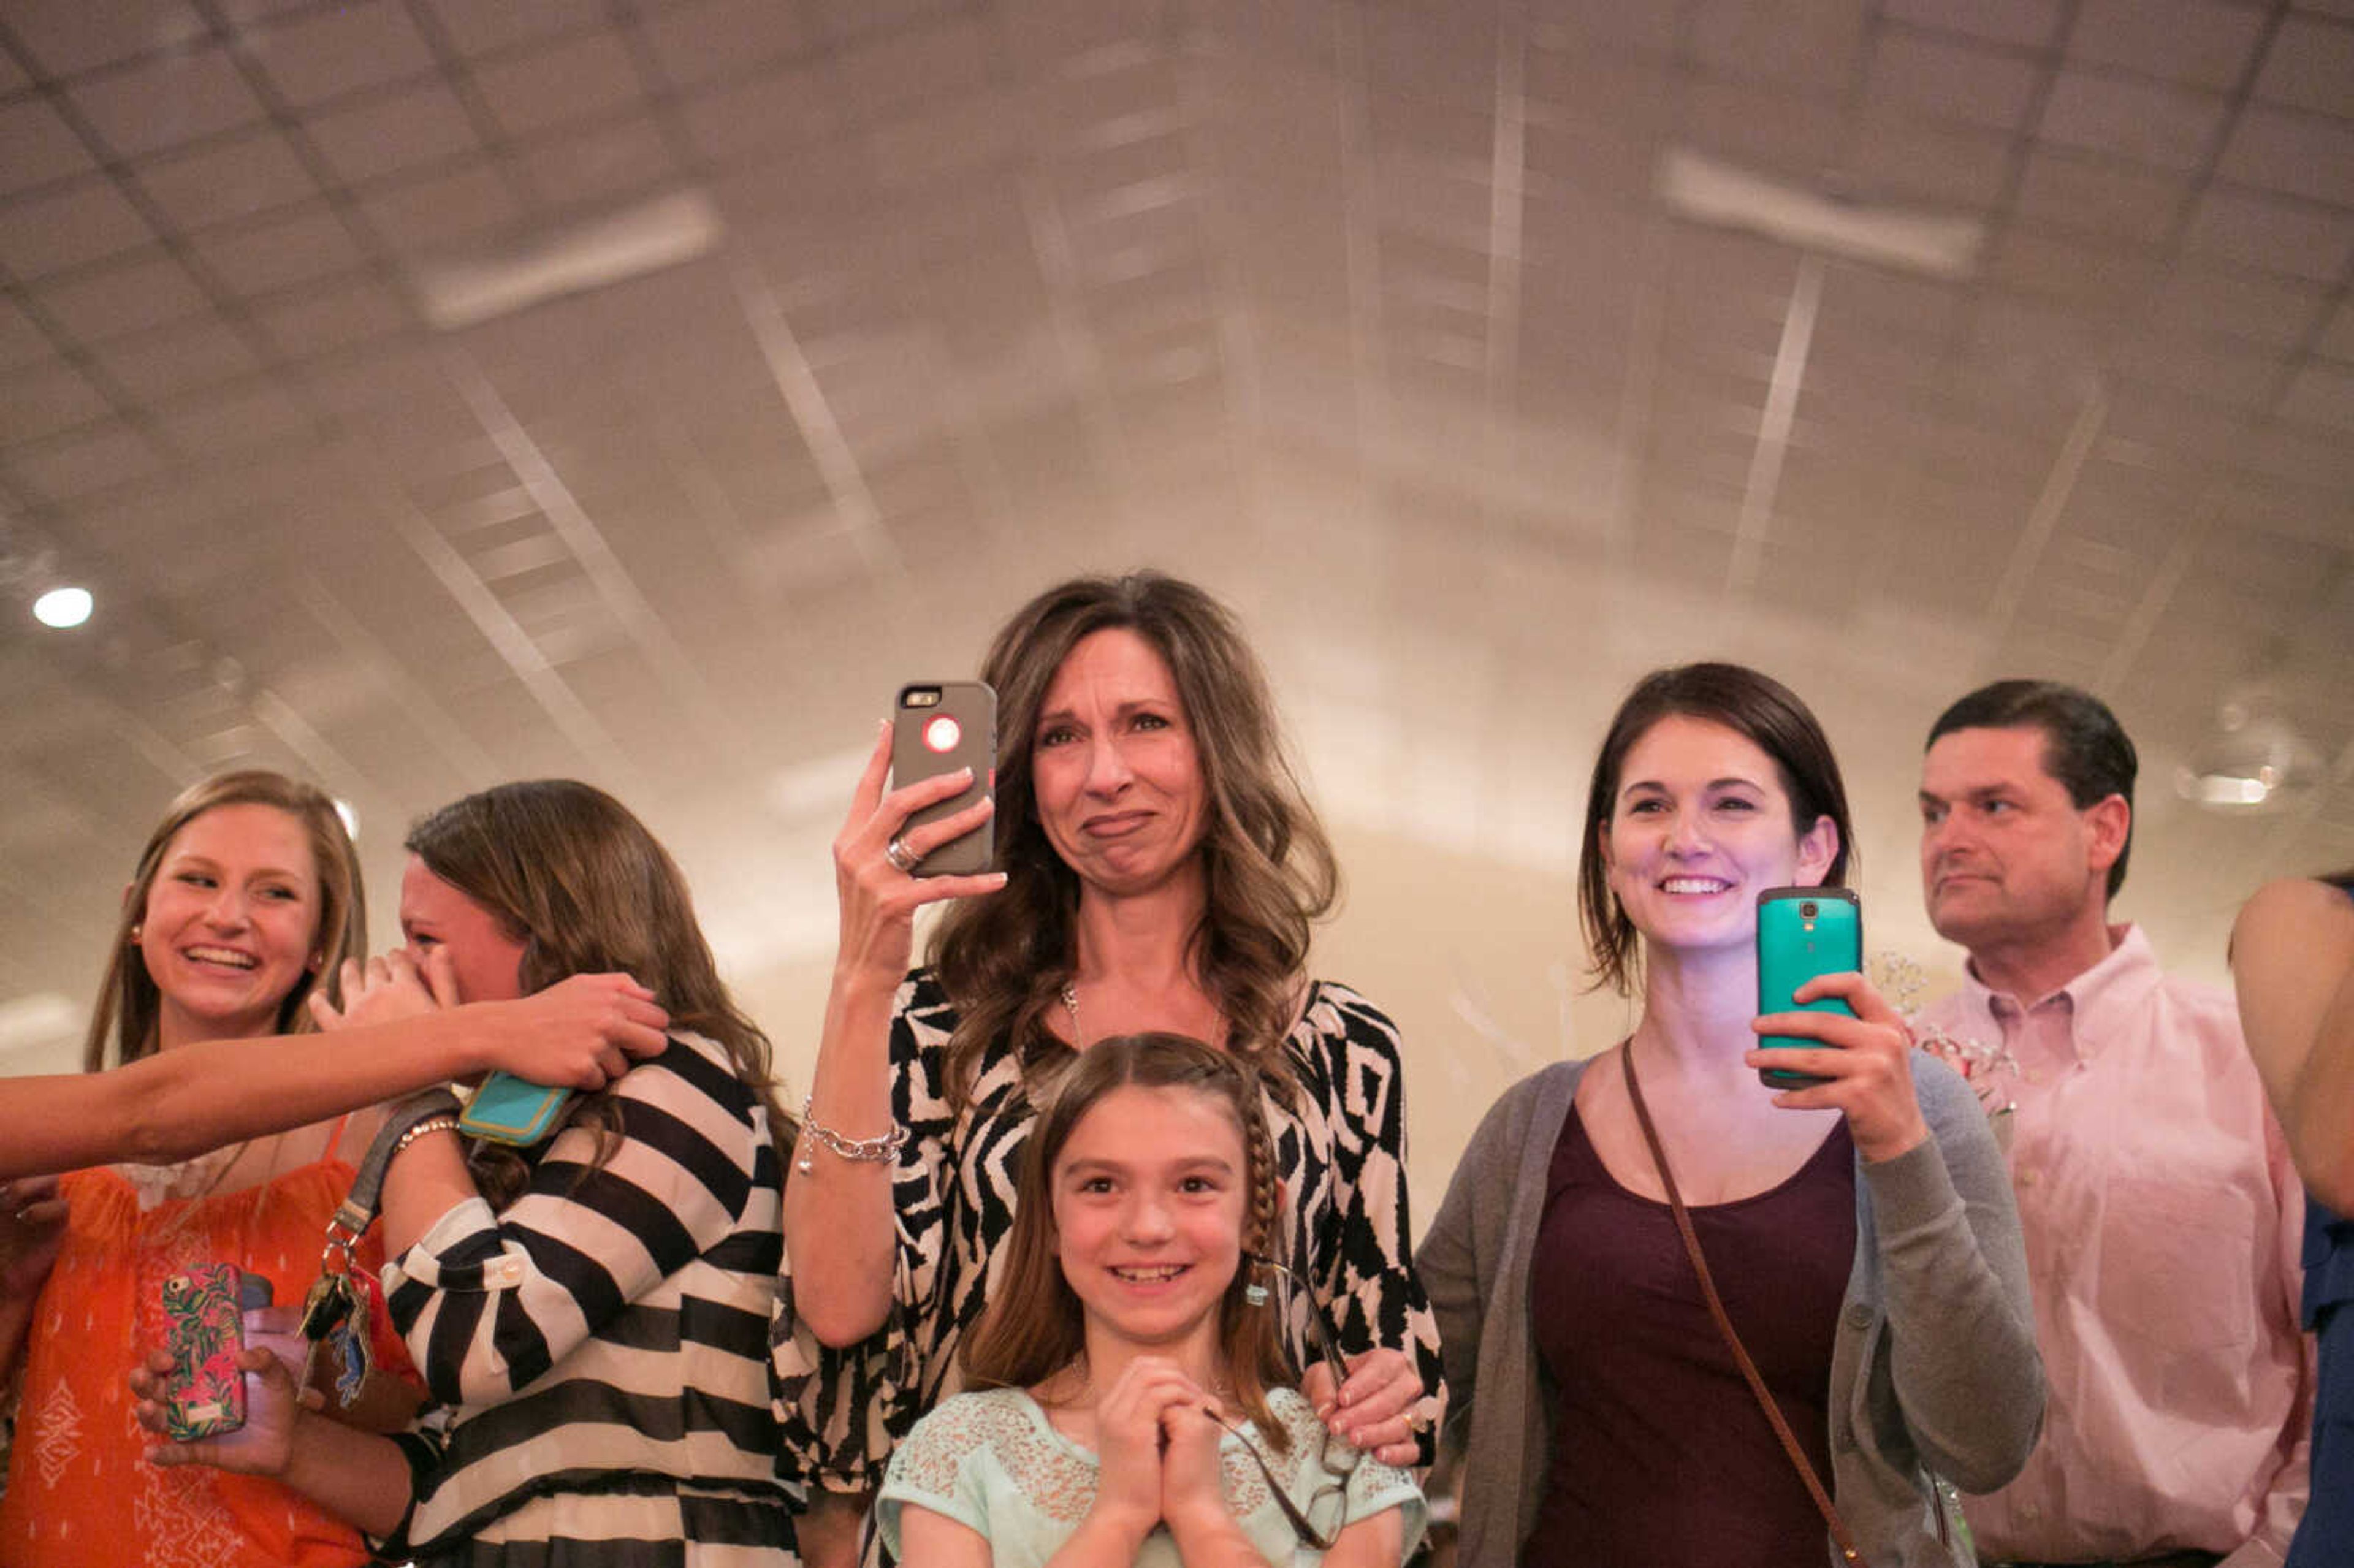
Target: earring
<point x="318" y="962"/>
<point x="135" y="936"/>
<point x="1254" y="1295"/>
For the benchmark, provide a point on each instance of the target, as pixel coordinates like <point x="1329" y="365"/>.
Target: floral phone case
<point x="205" y="1393"/>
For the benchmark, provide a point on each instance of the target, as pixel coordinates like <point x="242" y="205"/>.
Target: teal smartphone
<point x="1803" y="932"/>
<point x="508" y="1110"/>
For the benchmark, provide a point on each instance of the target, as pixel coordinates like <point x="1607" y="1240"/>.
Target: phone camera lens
<point x="1807" y="911"/>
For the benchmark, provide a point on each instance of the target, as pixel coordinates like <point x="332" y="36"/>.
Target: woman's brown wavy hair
<point x="123" y="1025"/>
<point x="1034" y="1325"/>
<point x="570" y="873"/>
<point x="1266" y="866"/>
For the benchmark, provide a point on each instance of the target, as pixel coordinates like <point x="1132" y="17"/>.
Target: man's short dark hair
<point x="2085" y="748"/>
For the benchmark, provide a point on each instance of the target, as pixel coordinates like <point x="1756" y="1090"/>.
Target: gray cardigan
<point x="1933" y="1367"/>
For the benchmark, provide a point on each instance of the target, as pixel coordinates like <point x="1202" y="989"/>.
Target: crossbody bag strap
<point x="1724" y="1324"/>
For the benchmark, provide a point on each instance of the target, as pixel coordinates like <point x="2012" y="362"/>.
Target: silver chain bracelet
<point x="857" y="1150"/>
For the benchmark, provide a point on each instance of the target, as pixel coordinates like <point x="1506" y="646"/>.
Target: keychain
<point x="334" y="1317"/>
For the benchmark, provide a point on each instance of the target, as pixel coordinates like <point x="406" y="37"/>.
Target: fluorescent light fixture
<point x="2223" y="792"/>
<point x="2251" y="766"/>
<point x="1706" y="190"/>
<point x="638" y="239"/>
<point x="62" y="606"/>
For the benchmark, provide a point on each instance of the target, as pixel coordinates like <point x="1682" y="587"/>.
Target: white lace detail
<point x="158" y="1184"/>
<point x="1058" y="1482"/>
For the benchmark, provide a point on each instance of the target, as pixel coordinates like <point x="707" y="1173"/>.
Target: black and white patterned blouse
<point x="1344" y="1225"/>
<point x="598" y="1347"/>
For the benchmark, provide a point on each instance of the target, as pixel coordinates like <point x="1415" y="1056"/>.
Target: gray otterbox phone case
<point x="938" y="727"/>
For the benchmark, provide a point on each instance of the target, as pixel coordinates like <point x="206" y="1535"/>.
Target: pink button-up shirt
<point x="2163" y="1222"/>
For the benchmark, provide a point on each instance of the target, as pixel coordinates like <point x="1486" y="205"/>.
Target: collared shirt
<point x="2163" y="1223"/>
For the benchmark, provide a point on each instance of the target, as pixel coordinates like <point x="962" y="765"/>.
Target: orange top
<point x="80" y="1490"/>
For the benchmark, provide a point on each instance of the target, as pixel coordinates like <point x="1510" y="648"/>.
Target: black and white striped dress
<point x="1342" y="1156"/>
<point x="599" y="1346"/>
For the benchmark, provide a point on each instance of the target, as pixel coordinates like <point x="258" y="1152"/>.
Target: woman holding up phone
<point x="1157" y="870"/>
<point x="1859" y="1232"/>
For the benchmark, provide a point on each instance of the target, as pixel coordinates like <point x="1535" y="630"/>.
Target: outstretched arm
<point x="2293" y="958"/>
<point x="182" y="1102"/>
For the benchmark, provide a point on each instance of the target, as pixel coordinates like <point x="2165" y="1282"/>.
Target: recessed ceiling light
<point x="62" y="606"/>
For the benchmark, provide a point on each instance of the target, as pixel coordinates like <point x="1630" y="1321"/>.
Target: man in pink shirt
<point x="2162" y="1216"/>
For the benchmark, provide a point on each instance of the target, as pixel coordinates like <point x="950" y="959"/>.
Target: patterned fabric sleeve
<point x="1366" y="1269"/>
<point x="843" y="1410"/>
<point x="488" y="1302"/>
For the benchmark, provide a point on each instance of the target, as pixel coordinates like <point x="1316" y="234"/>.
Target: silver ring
<point x="897" y="852"/>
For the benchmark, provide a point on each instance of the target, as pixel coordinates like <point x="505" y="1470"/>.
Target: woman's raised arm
<point x="179" y="1103"/>
<point x="839" y="1225"/>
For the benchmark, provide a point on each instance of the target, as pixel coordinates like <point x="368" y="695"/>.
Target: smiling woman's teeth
<point x="221" y="956"/>
<point x="1694" y="885"/>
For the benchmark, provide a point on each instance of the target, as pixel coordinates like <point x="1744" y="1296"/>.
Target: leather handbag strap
<point x="1724" y="1324"/>
<point x="358" y="1209"/>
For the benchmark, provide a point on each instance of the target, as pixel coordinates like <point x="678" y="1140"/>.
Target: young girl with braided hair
<point x="1131" y="1398"/>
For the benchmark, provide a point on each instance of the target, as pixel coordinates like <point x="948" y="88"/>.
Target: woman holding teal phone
<point x="591" y="1310"/>
<point x="1689" y="1320"/>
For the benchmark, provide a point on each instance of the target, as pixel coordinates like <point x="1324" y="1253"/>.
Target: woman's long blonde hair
<point x="1268" y="868"/>
<point x="123" y="1025"/>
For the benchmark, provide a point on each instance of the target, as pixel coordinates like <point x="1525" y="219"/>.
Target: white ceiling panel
<point x="2197" y="43"/>
<point x="167" y="100"/>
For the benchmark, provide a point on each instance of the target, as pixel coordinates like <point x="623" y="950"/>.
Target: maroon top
<point x="1660" y="1455"/>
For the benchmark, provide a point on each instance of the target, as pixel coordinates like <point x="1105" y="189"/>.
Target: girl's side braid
<point x="1259" y="1237"/>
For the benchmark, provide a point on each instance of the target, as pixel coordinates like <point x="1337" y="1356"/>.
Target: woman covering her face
<point x="245" y="900"/>
<point x="1860" y="1230"/>
<point x="1157" y="870"/>
<point x="592" y="1312"/>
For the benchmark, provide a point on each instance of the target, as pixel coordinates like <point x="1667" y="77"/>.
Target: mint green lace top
<point x="991" y="1461"/>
